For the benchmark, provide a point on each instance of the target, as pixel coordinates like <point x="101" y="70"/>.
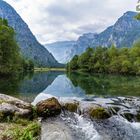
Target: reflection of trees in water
<point x="31" y="83"/>
<point x="38" y="83"/>
<point x="10" y="84"/>
<point x="106" y="84"/>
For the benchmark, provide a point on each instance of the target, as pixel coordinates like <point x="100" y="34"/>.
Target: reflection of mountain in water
<point x="63" y="87"/>
<point x="38" y="83"/>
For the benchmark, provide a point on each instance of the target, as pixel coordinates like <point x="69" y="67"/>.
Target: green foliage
<point x="73" y="65"/>
<point x="137" y="16"/>
<point x="27" y="65"/>
<point x="22" y="130"/>
<point x="10" y="57"/>
<point x="9" y="51"/>
<point x="108" y="60"/>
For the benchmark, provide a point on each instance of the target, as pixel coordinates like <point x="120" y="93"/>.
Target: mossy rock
<point x="72" y="107"/>
<point x="6" y="116"/>
<point x="48" y="108"/>
<point x="2" y="101"/>
<point x="99" y="113"/>
<point x="11" y="107"/>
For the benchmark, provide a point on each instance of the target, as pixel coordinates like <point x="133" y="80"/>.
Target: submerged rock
<point x="11" y="107"/>
<point x="48" y="108"/>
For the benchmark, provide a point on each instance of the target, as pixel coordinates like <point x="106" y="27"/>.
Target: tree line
<point x="108" y="60"/>
<point x="11" y="60"/>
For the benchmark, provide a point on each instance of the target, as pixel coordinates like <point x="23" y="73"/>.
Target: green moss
<point x="2" y="101"/>
<point x="72" y="107"/>
<point x="99" y="113"/>
<point x="34" y="110"/>
<point x="48" y="108"/>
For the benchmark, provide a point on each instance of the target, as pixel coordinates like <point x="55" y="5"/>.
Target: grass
<point x="49" y="69"/>
<point x="20" y="129"/>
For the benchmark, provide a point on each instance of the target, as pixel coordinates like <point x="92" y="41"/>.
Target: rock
<point x="129" y="116"/>
<point x="114" y="110"/>
<point x="48" y="108"/>
<point x="99" y="113"/>
<point x="138" y="117"/>
<point x="11" y="107"/>
<point x="72" y="107"/>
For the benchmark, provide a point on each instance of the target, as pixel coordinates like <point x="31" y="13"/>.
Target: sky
<point x="59" y="20"/>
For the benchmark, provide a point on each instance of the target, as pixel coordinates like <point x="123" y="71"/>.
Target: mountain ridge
<point x="123" y="33"/>
<point x="29" y="46"/>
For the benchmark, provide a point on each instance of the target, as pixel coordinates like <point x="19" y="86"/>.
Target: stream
<point x="79" y="126"/>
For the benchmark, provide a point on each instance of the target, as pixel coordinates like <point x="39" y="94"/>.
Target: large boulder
<point x="48" y="108"/>
<point x="12" y="107"/>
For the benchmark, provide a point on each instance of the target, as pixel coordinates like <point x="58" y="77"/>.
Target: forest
<point x="11" y="60"/>
<point x="108" y="60"/>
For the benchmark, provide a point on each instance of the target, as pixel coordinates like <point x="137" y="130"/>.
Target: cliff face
<point x="30" y="47"/>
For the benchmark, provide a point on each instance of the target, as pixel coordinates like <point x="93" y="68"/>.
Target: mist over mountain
<point x="62" y="51"/>
<point x="123" y="33"/>
<point x="29" y="46"/>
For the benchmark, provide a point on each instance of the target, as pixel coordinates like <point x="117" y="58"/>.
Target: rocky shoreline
<point x="50" y="108"/>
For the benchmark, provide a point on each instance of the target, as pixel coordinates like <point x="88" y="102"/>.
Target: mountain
<point x="62" y="51"/>
<point x="123" y="34"/>
<point x="29" y="46"/>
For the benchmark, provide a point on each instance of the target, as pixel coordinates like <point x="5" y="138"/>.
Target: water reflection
<point x="70" y="85"/>
<point x="29" y="84"/>
<point x="38" y="82"/>
<point x="10" y="84"/>
<point x="63" y="87"/>
<point x="106" y="84"/>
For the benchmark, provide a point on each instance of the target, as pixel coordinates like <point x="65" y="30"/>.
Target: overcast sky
<point x="58" y="20"/>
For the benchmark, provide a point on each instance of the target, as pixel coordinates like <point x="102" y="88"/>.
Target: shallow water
<point x="80" y="126"/>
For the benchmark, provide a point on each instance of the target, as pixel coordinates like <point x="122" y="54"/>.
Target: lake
<point x="61" y="84"/>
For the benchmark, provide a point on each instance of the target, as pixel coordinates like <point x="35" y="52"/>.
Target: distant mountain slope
<point x="62" y="51"/>
<point x="123" y="34"/>
<point x="30" y="47"/>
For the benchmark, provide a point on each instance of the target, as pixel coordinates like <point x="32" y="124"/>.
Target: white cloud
<point x="53" y="20"/>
